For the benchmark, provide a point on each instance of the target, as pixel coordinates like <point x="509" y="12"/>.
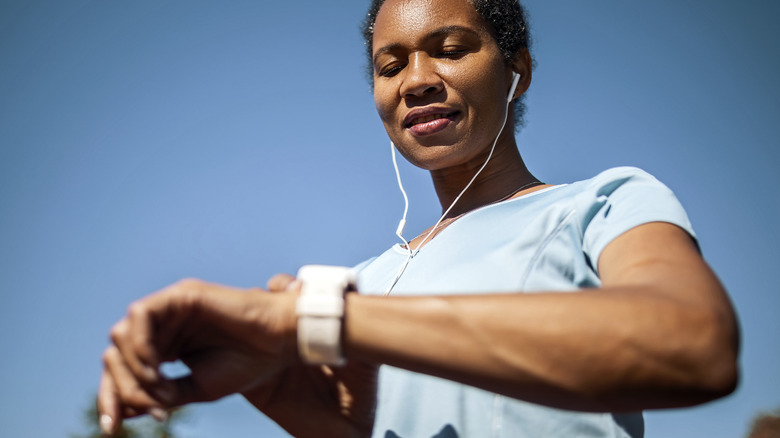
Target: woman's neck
<point x="504" y="176"/>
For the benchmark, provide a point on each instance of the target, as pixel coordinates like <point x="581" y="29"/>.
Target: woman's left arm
<point x="660" y="333"/>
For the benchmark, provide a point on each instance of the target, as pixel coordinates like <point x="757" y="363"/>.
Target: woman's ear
<point x="522" y="65"/>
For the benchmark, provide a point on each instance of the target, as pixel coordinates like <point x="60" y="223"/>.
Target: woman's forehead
<point x="400" y="19"/>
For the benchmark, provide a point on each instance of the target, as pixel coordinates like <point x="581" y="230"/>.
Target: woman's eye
<point x="452" y="52"/>
<point x="390" y="70"/>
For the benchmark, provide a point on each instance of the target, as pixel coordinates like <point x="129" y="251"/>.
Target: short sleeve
<point x="622" y="198"/>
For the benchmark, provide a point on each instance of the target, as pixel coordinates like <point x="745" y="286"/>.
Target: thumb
<point x="281" y="282"/>
<point x="180" y="391"/>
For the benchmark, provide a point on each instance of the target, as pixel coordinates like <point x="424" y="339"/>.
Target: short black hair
<point x="507" y="21"/>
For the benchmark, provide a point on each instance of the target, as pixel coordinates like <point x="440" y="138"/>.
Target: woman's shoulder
<point x="605" y="183"/>
<point x="617" y="175"/>
<point x="582" y="194"/>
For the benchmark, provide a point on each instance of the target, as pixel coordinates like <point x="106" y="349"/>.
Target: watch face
<point x="345" y="277"/>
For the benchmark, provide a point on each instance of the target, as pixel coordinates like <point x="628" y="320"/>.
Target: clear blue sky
<point x="146" y="141"/>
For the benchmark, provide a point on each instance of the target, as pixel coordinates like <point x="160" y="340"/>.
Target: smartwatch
<point x="320" y="311"/>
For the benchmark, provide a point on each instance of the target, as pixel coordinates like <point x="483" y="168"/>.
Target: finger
<point x="126" y="341"/>
<point x="159" y="414"/>
<point x="160" y="322"/>
<point x="280" y="282"/>
<point x="110" y="422"/>
<point x="154" y="325"/>
<point x="128" y="412"/>
<point x="157" y="320"/>
<point x="177" y="392"/>
<point x="108" y="405"/>
<point x="112" y="412"/>
<point x="127" y="387"/>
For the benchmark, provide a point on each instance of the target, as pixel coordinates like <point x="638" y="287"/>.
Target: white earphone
<point x="515" y="81"/>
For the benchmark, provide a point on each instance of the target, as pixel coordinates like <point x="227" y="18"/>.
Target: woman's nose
<point x="421" y="77"/>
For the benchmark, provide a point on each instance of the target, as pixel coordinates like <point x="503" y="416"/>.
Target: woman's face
<point x="440" y="82"/>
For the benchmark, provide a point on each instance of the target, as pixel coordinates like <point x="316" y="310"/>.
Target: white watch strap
<point x="320" y="310"/>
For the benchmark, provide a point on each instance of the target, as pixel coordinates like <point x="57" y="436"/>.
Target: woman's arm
<point x="660" y="333"/>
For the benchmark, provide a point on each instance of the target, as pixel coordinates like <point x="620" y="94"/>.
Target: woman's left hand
<point x="314" y="401"/>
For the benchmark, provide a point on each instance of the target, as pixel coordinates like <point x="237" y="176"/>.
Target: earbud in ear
<point x="515" y="81"/>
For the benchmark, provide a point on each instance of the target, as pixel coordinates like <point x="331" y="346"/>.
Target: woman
<point x="475" y="333"/>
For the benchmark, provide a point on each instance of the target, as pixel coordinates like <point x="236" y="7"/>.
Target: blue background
<point x="146" y="141"/>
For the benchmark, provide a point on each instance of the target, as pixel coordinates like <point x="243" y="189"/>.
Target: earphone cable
<point x="402" y="223"/>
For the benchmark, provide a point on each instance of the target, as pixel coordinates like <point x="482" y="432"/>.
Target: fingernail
<point x="151" y="374"/>
<point x="106" y="424"/>
<point x="159" y="414"/>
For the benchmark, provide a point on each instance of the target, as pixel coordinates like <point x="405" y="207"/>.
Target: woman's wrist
<point x="320" y="312"/>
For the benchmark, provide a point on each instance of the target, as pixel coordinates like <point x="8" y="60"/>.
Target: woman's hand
<point x="231" y="340"/>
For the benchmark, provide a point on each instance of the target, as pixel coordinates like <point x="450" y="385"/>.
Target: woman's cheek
<point x="383" y="108"/>
<point x="388" y="117"/>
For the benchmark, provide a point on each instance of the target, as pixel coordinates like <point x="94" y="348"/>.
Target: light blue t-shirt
<point x="549" y="240"/>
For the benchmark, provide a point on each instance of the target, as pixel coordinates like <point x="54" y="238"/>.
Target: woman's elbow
<point x="716" y="373"/>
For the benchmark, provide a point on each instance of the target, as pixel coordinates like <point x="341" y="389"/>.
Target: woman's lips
<point x="430" y="123"/>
